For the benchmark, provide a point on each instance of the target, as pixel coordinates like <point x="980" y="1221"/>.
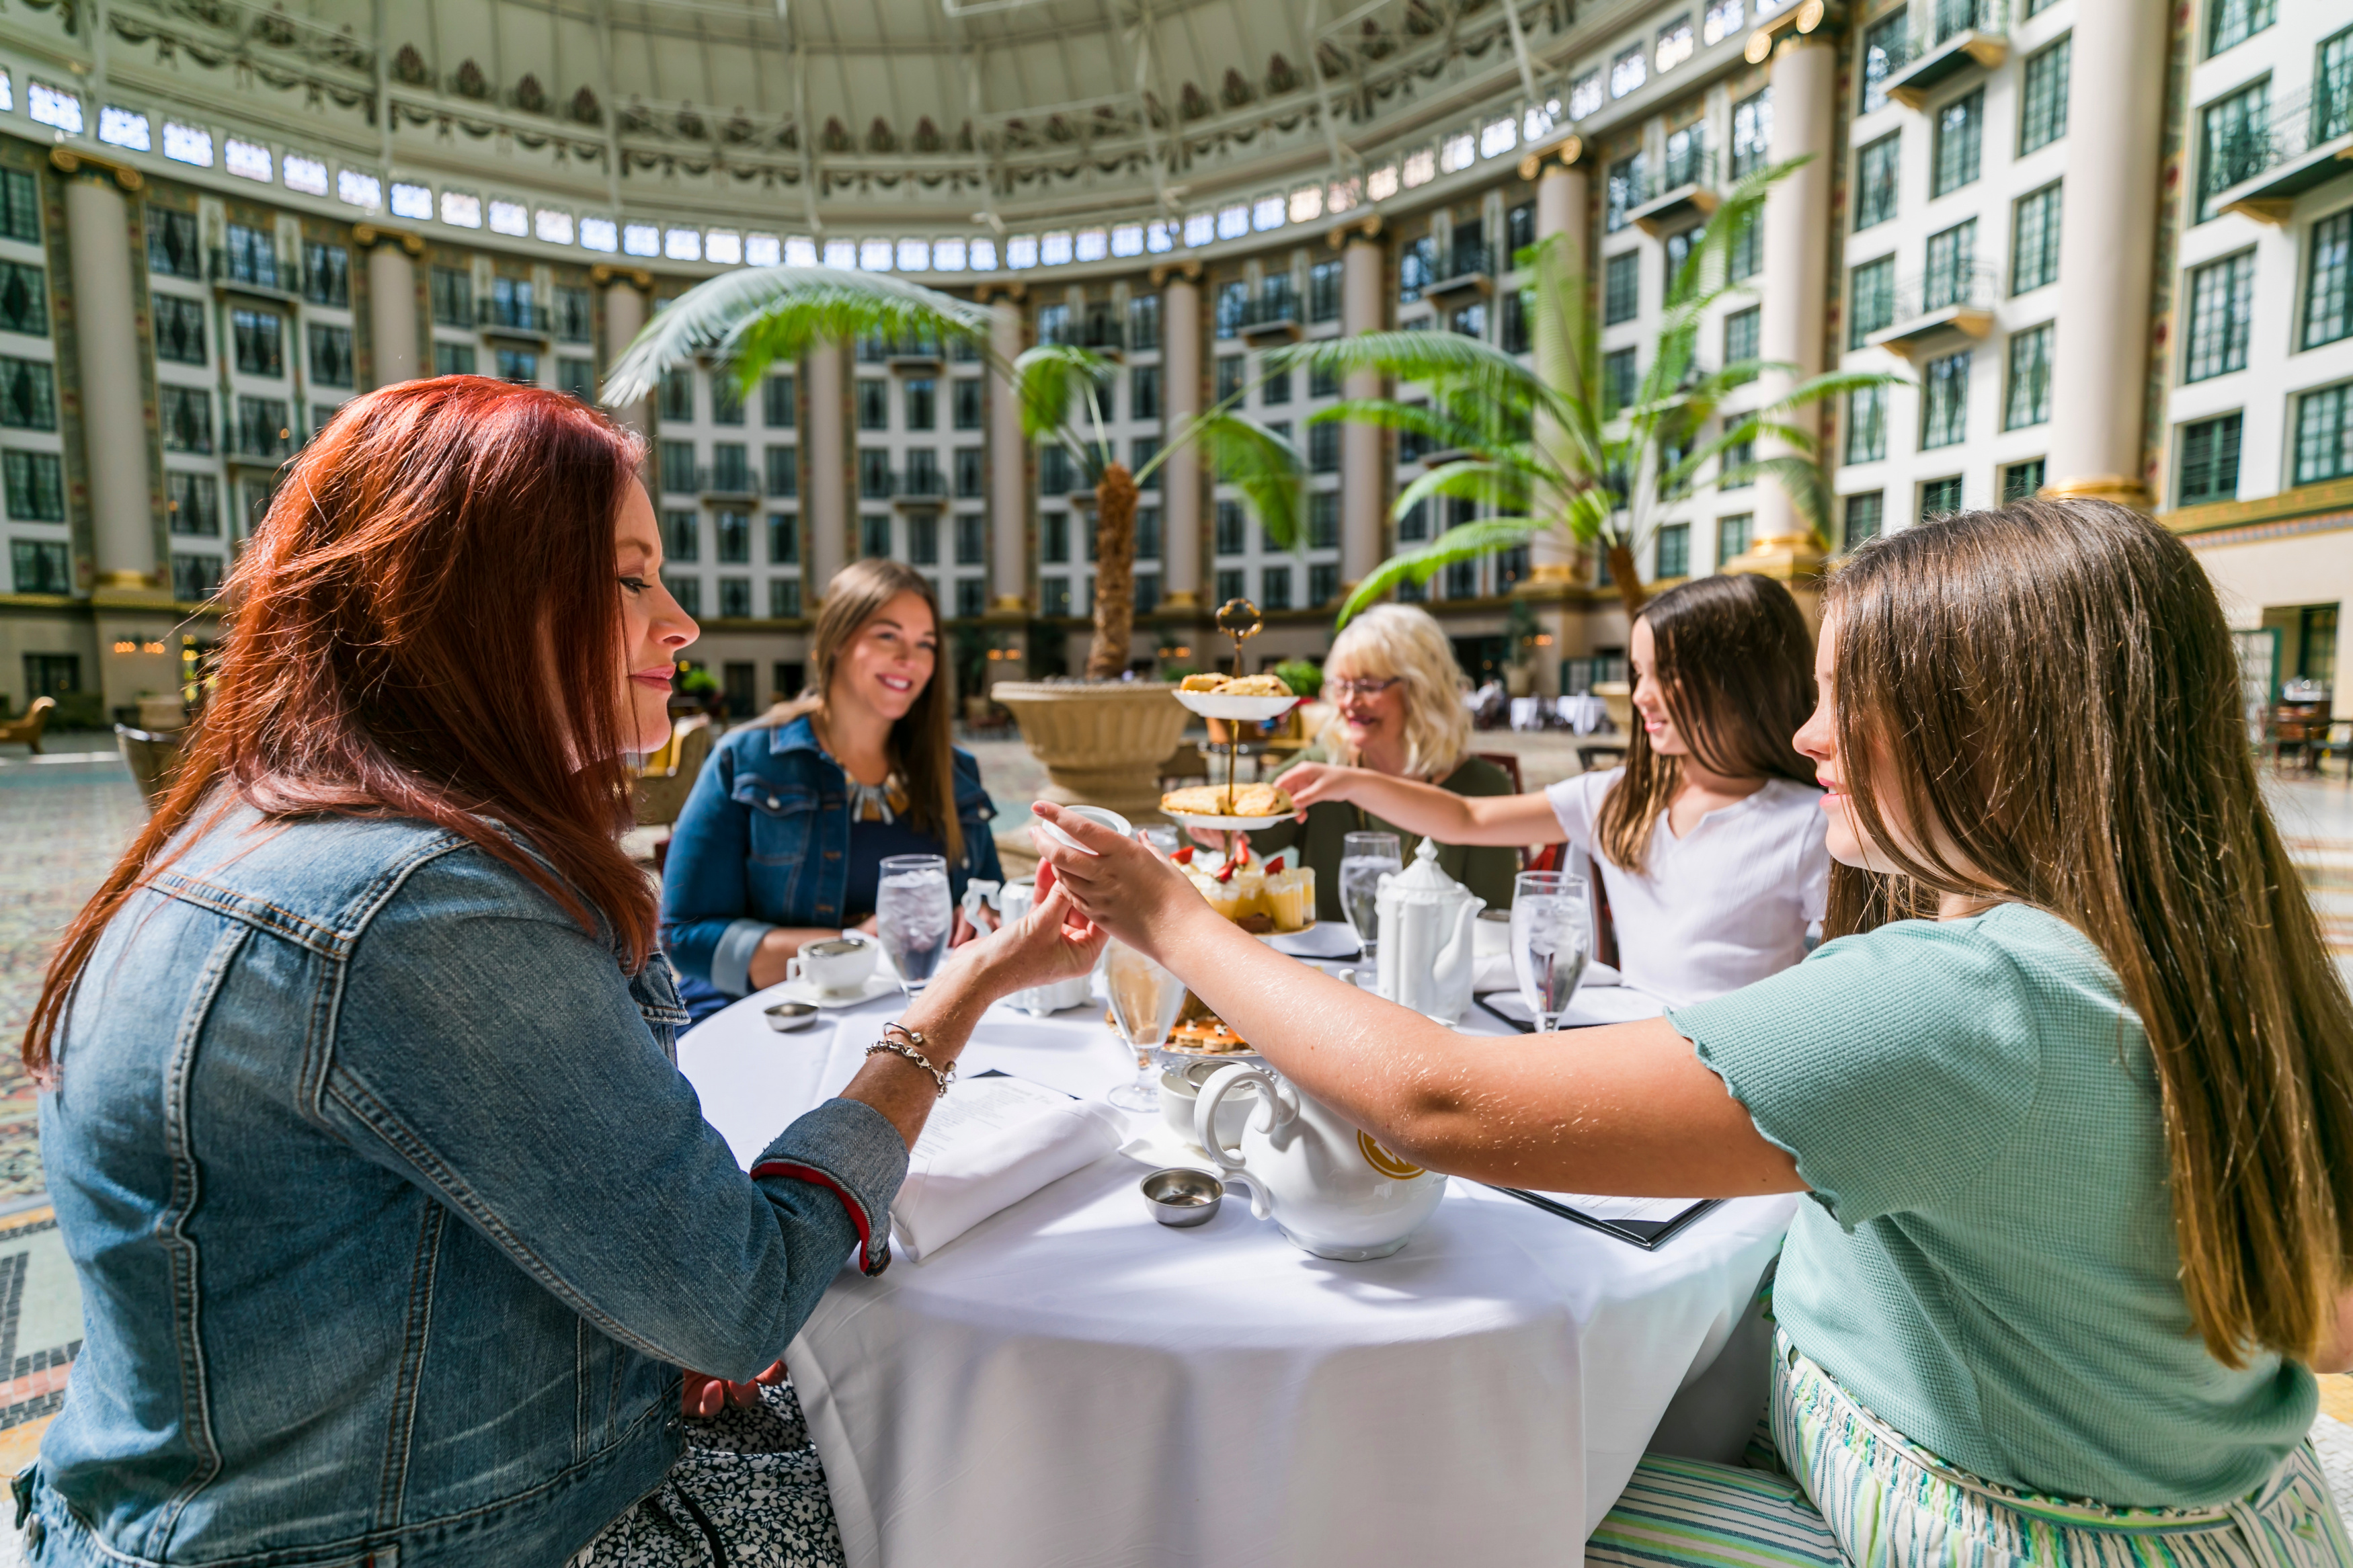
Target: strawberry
<point x="1225" y="873"/>
<point x="1183" y="854"/>
<point x="1274" y="866"/>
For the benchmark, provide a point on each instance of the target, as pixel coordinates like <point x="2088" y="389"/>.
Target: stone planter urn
<point x="1102" y="741"/>
<point x="1618" y="701"/>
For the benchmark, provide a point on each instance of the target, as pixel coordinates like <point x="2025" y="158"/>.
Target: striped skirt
<point x="1858" y="1491"/>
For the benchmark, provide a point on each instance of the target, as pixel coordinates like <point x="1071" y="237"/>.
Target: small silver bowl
<point x="1180" y="1197"/>
<point x="786" y="1016"/>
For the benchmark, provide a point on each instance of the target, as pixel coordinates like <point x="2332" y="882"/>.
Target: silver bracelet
<point x="916" y="1056"/>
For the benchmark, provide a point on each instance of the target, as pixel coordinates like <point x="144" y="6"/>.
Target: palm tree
<point x="752" y="319"/>
<point x="1553" y="446"/>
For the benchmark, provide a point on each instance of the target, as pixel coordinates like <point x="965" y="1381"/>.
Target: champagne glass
<point x="912" y="915"/>
<point x="1551" y="940"/>
<point x="1365" y="858"/>
<point x="1144" y="1002"/>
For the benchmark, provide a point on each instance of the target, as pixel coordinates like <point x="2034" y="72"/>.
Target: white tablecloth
<point x="1071" y="1383"/>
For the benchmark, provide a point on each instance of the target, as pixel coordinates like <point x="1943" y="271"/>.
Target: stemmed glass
<point x="912" y="915"/>
<point x="1365" y="858"/>
<point x="1551" y="940"/>
<point x="1145" y="1001"/>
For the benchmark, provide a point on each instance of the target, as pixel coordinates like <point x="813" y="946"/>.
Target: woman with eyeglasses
<point x="1397" y="697"/>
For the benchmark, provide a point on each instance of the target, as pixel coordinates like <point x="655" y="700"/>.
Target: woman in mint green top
<point x="2071" y="1093"/>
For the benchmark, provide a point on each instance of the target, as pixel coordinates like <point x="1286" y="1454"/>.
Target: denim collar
<point x="799" y="735"/>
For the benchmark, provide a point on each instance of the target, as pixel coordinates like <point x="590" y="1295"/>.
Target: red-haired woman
<point x="393" y="1221"/>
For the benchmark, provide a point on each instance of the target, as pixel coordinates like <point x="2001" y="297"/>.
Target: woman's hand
<point x="1123" y="887"/>
<point x="706" y="1397"/>
<point x="1309" y="784"/>
<point x="1053" y="941"/>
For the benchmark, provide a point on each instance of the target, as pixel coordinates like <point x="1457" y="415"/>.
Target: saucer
<point x="882" y="982"/>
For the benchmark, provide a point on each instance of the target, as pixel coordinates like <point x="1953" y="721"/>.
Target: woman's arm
<point x="708" y="927"/>
<point x="1628" y="1110"/>
<point x="1509" y="820"/>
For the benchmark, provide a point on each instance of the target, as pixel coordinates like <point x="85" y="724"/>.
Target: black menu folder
<point x="1646" y="1223"/>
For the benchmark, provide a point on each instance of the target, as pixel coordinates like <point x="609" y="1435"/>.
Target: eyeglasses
<point x="1342" y="690"/>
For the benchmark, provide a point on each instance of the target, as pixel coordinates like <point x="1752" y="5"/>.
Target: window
<point x="777" y="402"/>
<point x="675" y="394"/>
<point x="576" y="317"/>
<point x="1740" y="330"/>
<point x="452" y="296"/>
<point x="2210" y="461"/>
<point x="264" y="428"/>
<point x="1323" y="583"/>
<point x="1621" y="286"/>
<point x="1274" y="588"/>
<point x="2027" y="399"/>
<point x="677" y="467"/>
<point x="874" y="535"/>
<point x="187" y="418"/>
<point x="326" y="274"/>
<point x="453" y="359"/>
<point x="1054" y="536"/>
<point x="1516" y="337"/>
<point x="873" y="405"/>
<point x="784" y="539"/>
<point x="259" y="336"/>
<point x="1876" y="168"/>
<point x="873" y="473"/>
<point x="1140" y="451"/>
<point x="1324" y="519"/>
<point x="45" y="566"/>
<point x="1618" y="382"/>
<point x="2034" y="240"/>
<point x="972" y="539"/>
<point x="1960" y="133"/>
<point x="28" y="395"/>
<point x="1673" y="559"/>
<point x="923" y="400"/>
<point x="1233" y="300"/>
<point x="1863" y="515"/>
<point x="576" y="377"/>
<point x="1275" y="389"/>
<point x="1735" y="464"/>
<point x="1054" y="325"/>
<point x="681" y="534"/>
<point x="2221" y="309"/>
<point x="2229" y="21"/>
<point x="783" y="471"/>
<point x="1324" y="292"/>
<point x="968" y="472"/>
<point x="1748" y="254"/>
<point x="1053" y="471"/>
<point x="736" y="605"/>
<point x="1866" y="425"/>
<point x="1054" y="595"/>
<point x="965" y="403"/>
<point x="2327" y="282"/>
<point x="1462" y="579"/>
<point x="2324" y="435"/>
<point x="179" y="327"/>
<point x="36" y="485"/>
<point x="192" y="503"/>
<point x="330" y="354"/>
<point x="252" y="256"/>
<point x="1752" y="133"/>
<point x="2042" y="100"/>
<point x="726" y="399"/>
<point x="1952" y="267"/>
<point x="784" y="600"/>
<point x="972" y="596"/>
<point x="1938" y="497"/>
<point x="1624" y="190"/>
<point x="2020" y="482"/>
<point x="1885" y="43"/>
<point x="1229" y="376"/>
<point x="1414" y="526"/>
<point x="1732" y="535"/>
<point x="1230" y="533"/>
<point x="172" y="241"/>
<point x="1627" y="72"/>
<point x="1871" y="299"/>
<point x="1143" y="391"/>
<point x="2233" y="143"/>
<point x="687" y="591"/>
<point x="1144" y="323"/>
<point x="1679" y="248"/>
<point x="1944" y="401"/>
<point x="735" y="532"/>
<point x="194" y="578"/>
<point x="1416" y="263"/>
<point x="924" y="539"/>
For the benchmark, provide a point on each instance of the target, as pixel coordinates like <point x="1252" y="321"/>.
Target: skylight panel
<point x="53" y="107"/>
<point x="1345" y="196"/>
<point x="1307" y="204"/>
<point x="763" y="249"/>
<point x="1382" y="183"/>
<point x="799" y="252"/>
<point x="599" y="234"/>
<point x="356" y="189"/>
<point x="682" y="244"/>
<point x="1585" y="95"/>
<point x="841" y="253"/>
<point x="187" y="144"/>
<point x="462" y="209"/>
<point x="7" y="92"/>
<point x="414" y="202"/>
<point x="874" y="256"/>
<point x="1233" y="222"/>
<point x="1540" y="118"/>
<point x="1454" y="153"/>
<point x="552" y="226"/>
<point x="724" y="246"/>
<point x="1674" y="43"/>
<point x="1628" y="72"/>
<point x="1160" y="237"/>
<point x="1054" y="249"/>
<point x="914" y="256"/>
<point x="122" y="128"/>
<point x="1092" y="244"/>
<point x="1200" y="228"/>
<point x="1421" y="168"/>
<point x="251" y="161"/>
<point x="1022" y="251"/>
<point x="1127" y="239"/>
<point x="1498" y="137"/>
<point x="641" y="239"/>
<point x="984" y="256"/>
<point x="510" y="217"/>
<point x="306" y="174"/>
<point x="948" y="255"/>
<point x="1723" y="18"/>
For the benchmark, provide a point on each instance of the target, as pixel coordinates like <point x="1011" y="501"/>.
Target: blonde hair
<point x="1402" y="641"/>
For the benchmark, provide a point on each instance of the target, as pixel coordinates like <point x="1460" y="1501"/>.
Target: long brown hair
<point x="1736" y="669"/>
<point x="388" y="655"/>
<point x="2048" y="694"/>
<point x="922" y="744"/>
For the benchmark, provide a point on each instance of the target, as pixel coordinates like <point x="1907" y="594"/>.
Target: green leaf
<point x="1468" y="478"/>
<point x="1469" y="542"/>
<point x="1255" y="460"/>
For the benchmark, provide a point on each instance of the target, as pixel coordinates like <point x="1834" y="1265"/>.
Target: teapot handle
<point x="1204" y="1112"/>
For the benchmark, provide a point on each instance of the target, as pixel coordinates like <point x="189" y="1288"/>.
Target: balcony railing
<point x="726" y="479"/>
<point x="1683" y="188"/>
<point x="513" y="316"/>
<point x="1464" y="270"/>
<point x="920" y="487"/>
<point x="256" y="271"/>
<point x="1266" y="315"/>
<point x="2261" y="170"/>
<point x="918" y="353"/>
<point x="1947" y="37"/>
<point x="1104" y="333"/>
<point x="1931" y="306"/>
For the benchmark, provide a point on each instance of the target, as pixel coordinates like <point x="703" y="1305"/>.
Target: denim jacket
<point x="395" y="1220"/>
<point x="763" y="841"/>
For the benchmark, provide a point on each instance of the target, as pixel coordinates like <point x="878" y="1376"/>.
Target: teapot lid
<point x="1423" y="879"/>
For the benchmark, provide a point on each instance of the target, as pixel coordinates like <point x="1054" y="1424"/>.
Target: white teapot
<point x="1428" y="927"/>
<point x="1331" y="1188"/>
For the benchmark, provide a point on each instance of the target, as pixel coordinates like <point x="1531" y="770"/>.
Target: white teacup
<point x="837" y="966"/>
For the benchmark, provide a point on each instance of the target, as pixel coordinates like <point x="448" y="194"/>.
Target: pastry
<point x="1255" y="686"/>
<point x="1205" y="1034"/>
<point x="1201" y="683"/>
<point x="1210" y="800"/>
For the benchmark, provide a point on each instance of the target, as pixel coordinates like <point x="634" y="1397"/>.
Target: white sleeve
<point x="1814" y="865"/>
<point x="1575" y="801"/>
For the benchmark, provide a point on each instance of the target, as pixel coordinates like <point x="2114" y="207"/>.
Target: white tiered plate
<point x="1250" y="710"/>
<point x="1229" y="824"/>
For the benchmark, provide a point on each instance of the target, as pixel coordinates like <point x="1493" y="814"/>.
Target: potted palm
<point x="1552" y="445"/>
<point x="1101" y="740"/>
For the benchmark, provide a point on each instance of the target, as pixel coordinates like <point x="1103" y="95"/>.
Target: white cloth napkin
<point x="990" y="1143"/>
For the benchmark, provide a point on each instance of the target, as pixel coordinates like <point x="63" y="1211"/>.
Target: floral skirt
<point x="747" y="1493"/>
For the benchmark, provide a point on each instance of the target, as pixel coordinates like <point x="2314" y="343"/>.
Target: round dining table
<point x="1069" y="1382"/>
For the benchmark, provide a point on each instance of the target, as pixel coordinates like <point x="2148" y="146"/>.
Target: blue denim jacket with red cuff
<point x="395" y="1220"/>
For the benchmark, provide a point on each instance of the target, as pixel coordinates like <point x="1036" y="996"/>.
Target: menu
<point x="1645" y="1222"/>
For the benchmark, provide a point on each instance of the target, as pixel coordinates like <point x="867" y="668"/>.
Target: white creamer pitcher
<point x="1427" y="924"/>
<point x="1331" y="1188"/>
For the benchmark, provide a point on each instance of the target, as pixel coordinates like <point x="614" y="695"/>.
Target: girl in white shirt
<point x="1710" y="840"/>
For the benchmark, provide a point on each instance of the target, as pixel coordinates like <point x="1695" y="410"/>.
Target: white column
<point x="1797" y="253"/>
<point x="1180" y="477"/>
<point x="1364" y="450"/>
<point x="1009" y="471"/>
<point x="392" y="312"/>
<point x="114" y="425"/>
<point x="824" y="484"/>
<point x="625" y="318"/>
<point x="2107" y="226"/>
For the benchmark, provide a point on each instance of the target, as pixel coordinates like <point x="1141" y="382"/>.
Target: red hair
<point x="426" y="625"/>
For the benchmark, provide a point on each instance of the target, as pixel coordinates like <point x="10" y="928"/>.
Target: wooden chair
<point x="1599" y="754"/>
<point x="26" y="731"/>
<point x="152" y="759"/>
<point x="668" y="775"/>
<point x="2338" y="743"/>
<point x="1507" y="761"/>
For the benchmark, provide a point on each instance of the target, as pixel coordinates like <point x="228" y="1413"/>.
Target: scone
<point x="1255" y="686"/>
<point x="1201" y="683"/>
<point x="1260" y="800"/>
